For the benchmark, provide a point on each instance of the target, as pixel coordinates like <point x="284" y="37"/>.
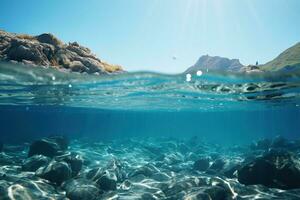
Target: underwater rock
<point x="49" y="147"/>
<point x="94" y="173"/>
<point x="277" y="168"/>
<point x="126" y="185"/>
<point x="74" y="160"/>
<point x="201" y="164"/>
<point x="222" y="166"/>
<point x="108" y="181"/>
<point x="43" y="147"/>
<point x="112" y="168"/>
<point x="279" y="142"/>
<point x="118" y="168"/>
<point x="4" y="185"/>
<point x="231" y="168"/>
<point x="5" y="159"/>
<point x="35" y="162"/>
<point x="221" y="188"/>
<point x="62" y="141"/>
<point x="148" y="171"/>
<point x="1" y="146"/>
<point x="258" y="172"/>
<point x="218" y="164"/>
<point x="81" y="189"/>
<point x="136" y="175"/>
<point x="25" y="189"/>
<point x="216" y="193"/>
<point x="55" y="172"/>
<point x="262" y="144"/>
<point x="178" y="186"/>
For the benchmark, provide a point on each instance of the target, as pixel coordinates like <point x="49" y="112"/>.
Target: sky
<point x="162" y="35"/>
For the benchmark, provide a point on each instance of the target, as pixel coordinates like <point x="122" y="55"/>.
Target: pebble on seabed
<point x="150" y="169"/>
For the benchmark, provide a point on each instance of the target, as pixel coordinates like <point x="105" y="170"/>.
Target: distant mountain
<point x="216" y="63"/>
<point x="289" y="59"/>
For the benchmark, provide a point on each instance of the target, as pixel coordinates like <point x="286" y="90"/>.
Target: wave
<point x="40" y="86"/>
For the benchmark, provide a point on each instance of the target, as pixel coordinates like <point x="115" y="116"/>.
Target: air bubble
<point x="199" y="73"/>
<point x="188" y="77"/>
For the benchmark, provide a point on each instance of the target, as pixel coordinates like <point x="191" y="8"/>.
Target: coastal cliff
<point x="288" y="60"/>
<point x="48" y="51"/>
<point x="215" y="63"/>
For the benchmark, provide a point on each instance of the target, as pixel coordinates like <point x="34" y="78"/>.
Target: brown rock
<point x="47" y="50"/>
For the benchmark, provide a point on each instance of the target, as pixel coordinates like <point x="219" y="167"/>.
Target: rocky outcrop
<point x="221" y="64"/>
<point x="74" y="160"/>
<point x="107" y="182"/>
<point x="48" y="51"/>
<point x="215" y="63"/>
<point x="55" y="172"/>
<point x="81" y="189"/>
<point x="49" y="147"/>
<point x="278" y="168"/>
<point x="35" y="162"/>
<point x="288" y="60"/>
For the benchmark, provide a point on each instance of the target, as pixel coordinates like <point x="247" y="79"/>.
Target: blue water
<point x="224" y="108"/>
<point x="160" y="136"/>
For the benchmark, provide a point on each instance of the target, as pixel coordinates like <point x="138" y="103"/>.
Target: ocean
<point x="143" y="120"/>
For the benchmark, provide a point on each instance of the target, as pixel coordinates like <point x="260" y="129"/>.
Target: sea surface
<point x="231" y="108"/>
<point x="146" y="135"/>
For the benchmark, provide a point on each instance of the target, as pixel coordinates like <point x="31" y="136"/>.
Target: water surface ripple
<point x="26" y="85"/>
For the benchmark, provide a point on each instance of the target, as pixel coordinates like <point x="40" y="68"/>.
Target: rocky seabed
<point x="149" y="168"/>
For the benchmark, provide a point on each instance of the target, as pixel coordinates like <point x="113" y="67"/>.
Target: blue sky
<point x="147" y="34"/>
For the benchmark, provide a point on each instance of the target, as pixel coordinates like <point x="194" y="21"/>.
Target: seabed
<point x="149" y="168"/>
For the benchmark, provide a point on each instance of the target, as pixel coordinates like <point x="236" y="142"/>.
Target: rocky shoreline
<point x="48" y="51"/>
<point x="150" y="168"/>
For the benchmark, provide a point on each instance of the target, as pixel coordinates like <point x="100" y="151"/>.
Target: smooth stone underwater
<point x="151" y="168"/>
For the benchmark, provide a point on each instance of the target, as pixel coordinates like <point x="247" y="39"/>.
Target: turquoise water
<point x="148" y="136"/>
<point x="229" y="108"/>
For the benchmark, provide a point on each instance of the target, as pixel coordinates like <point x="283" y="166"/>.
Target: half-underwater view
<point x="150" y="100"/>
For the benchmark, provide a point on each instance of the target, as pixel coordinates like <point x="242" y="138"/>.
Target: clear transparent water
<point x="229" y="108"/>
<point x="146" y="91"/>
<point x="151" y="123"/>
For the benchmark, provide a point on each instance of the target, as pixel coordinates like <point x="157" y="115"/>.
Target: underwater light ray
<point x="193" y="19"/>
